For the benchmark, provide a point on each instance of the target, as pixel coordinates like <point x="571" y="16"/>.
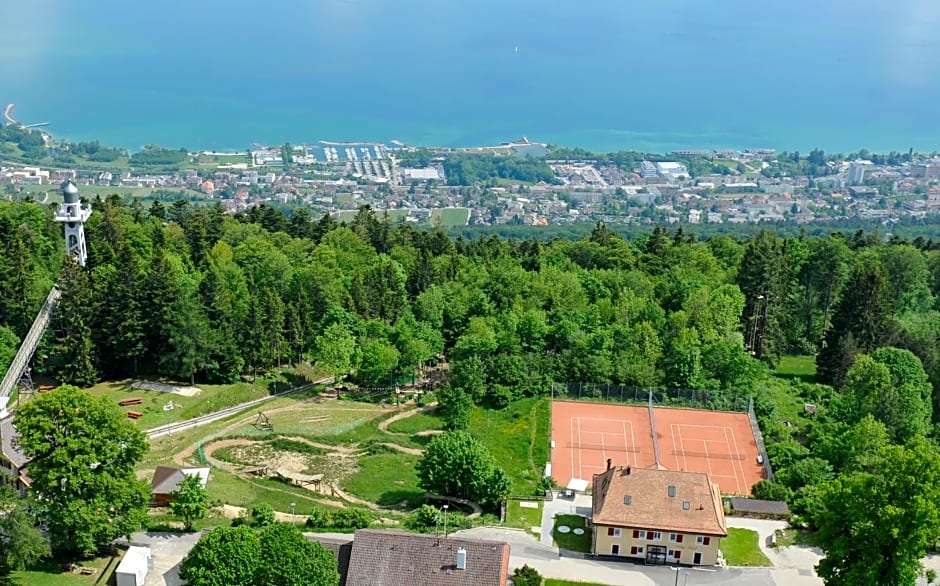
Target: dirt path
<point x="383" y="425"/>
<point x="403" y="449"/>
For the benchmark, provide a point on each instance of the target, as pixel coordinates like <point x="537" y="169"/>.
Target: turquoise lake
<point x="602" y="74"/>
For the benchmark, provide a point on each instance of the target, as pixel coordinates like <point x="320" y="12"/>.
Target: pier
<point x="8" y="115"/>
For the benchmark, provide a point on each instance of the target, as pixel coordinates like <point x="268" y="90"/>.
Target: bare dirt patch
<point x="165" y="388"/>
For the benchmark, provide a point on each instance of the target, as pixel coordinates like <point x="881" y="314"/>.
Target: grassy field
<point x="797" y="367"/>
<point x="741" y="548"/>
<point x="523" y="517"/>
<point x="228" y="488"/>
<point x="570" y="541"/>
<point x="315" y="420"/>
<point x="387" y="479"/>
<point x="553" y="582"/>
<point x="212" y="160"/>
<point x="450" y="216"/>
<point x="212" y="398"/>
<point x="518" y="437"/>
<point x="416" y="423"/>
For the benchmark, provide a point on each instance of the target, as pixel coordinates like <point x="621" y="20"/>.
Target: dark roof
<point x="166" y="479"/>
<point x="396" y="558"/>
<point x="341" y="550"/>
<point x="10" y="450"/>
<point x="743" y="505"/>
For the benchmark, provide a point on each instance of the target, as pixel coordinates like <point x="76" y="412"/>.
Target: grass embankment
<point x="569" y="540"/>
<point x="798" y="367"/>
<point x="417" y="423"/>
<point x="740" y="548"/>
<point x="790" y="537"/>
<point x="210" y="398"/>
<point x="518" y="438"/>
<point x="387" y="479"/>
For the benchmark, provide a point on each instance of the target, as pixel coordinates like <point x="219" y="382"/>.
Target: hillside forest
<point x="188" y="293"/>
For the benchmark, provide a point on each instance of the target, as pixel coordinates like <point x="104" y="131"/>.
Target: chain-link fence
<point x="661" y="396"/>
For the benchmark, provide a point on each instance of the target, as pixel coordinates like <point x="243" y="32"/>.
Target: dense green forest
<point x="189" y="293"/>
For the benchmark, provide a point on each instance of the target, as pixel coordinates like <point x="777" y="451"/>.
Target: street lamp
<point x="292" y="507"/>
<point x="445" y="519"/>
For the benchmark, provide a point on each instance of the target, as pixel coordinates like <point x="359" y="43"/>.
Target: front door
<point x="697" y="558"/>
<point x="615" y="549"/>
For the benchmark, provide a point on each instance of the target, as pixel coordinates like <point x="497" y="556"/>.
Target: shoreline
<point x="8" y="114"/>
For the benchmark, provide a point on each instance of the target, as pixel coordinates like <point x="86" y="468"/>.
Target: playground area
<point x="718" y="443"/>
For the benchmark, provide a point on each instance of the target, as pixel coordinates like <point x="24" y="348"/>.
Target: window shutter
<point x="678" y="554"/>
<point x="706" y="541"/>
<point x="636" y="534"/>
<point x="679" y="538"/>
<point x="633" y="550"/>
<point x="649" y="535"/>
<point x="610" y="531"/>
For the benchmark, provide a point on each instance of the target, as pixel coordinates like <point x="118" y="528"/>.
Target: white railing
<point x="30" y="342"/>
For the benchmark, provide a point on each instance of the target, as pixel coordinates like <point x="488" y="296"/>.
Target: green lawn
<point x="387" y="479"/>
<point x="740" y="548"/>
<point x="553" y="582"/>
<point x="570" y="541"/>
<point x="415" y="423"/>
<point x="51" y="573"/>
<point x="799" y="367"/>
<point x="518" y="437"/>
<point x="522" y="517"/>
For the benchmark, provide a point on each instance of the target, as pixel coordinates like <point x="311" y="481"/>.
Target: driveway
<point x="168" y="550"/>
<point x="580" y="505"/>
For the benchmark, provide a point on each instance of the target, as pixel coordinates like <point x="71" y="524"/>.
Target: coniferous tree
<point x="864" y="312"/>
<point x="74" y="349"/>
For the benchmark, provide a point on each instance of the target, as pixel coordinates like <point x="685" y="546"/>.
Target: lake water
<point x="602" y="74"/>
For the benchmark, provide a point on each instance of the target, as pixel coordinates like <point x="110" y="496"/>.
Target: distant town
<point x="518" y="182"/>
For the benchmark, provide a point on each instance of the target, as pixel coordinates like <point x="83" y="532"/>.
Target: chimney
<point x="609" y="463"/>
<point x="461" y="558"/>
<point x="628" y="471"/>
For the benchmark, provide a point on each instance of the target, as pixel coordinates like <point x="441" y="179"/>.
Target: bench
<point x="135" y="414"/>
<point x="131" y="401"/>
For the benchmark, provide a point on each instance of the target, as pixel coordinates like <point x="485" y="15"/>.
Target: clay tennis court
<point x="719" y="443"/>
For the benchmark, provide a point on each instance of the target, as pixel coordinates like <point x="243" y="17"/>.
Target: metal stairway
<point x="28" y="347"/>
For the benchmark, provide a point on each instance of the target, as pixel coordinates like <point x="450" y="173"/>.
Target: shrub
<point x="351" y="519"/>
<point x="526" y="576"/>
<point x="424" y="518"/>
<point x="262" y="515"/>
<point x="318" y="518"/>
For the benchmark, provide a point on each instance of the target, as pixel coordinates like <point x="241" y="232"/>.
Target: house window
<point x="657" y="536"/>
<point x="617" y="532"/>
<point x="671" y="491"/>
<point x="702" y="540"/>
<point x="673" y="537"/>
<point x="670" y="553"/>
<point x="686" y="505"/>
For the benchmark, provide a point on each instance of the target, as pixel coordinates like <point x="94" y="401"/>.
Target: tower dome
<point x="69" y="192"/>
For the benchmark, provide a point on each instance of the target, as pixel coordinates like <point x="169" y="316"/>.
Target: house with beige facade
<point x="657" y="515"/>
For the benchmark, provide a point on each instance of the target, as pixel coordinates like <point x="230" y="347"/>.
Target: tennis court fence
<point x="661" y="396"/>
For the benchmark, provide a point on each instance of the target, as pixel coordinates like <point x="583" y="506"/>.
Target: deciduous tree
<point x="190" y="500"/>
<point x="83" y="452"/>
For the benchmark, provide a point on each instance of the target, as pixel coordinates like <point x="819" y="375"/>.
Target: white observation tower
<point x="73" y="215"/>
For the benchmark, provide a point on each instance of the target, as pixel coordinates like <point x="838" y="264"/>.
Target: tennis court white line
<point x="740" y="462"/>
<point x="682" y="446"/>
<point x="623" y="425"/>
<point x="571" y="436"/>
<point x="708" y="460"/>
<point x="675" y="451"/>
<point x="580" y="456"/>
